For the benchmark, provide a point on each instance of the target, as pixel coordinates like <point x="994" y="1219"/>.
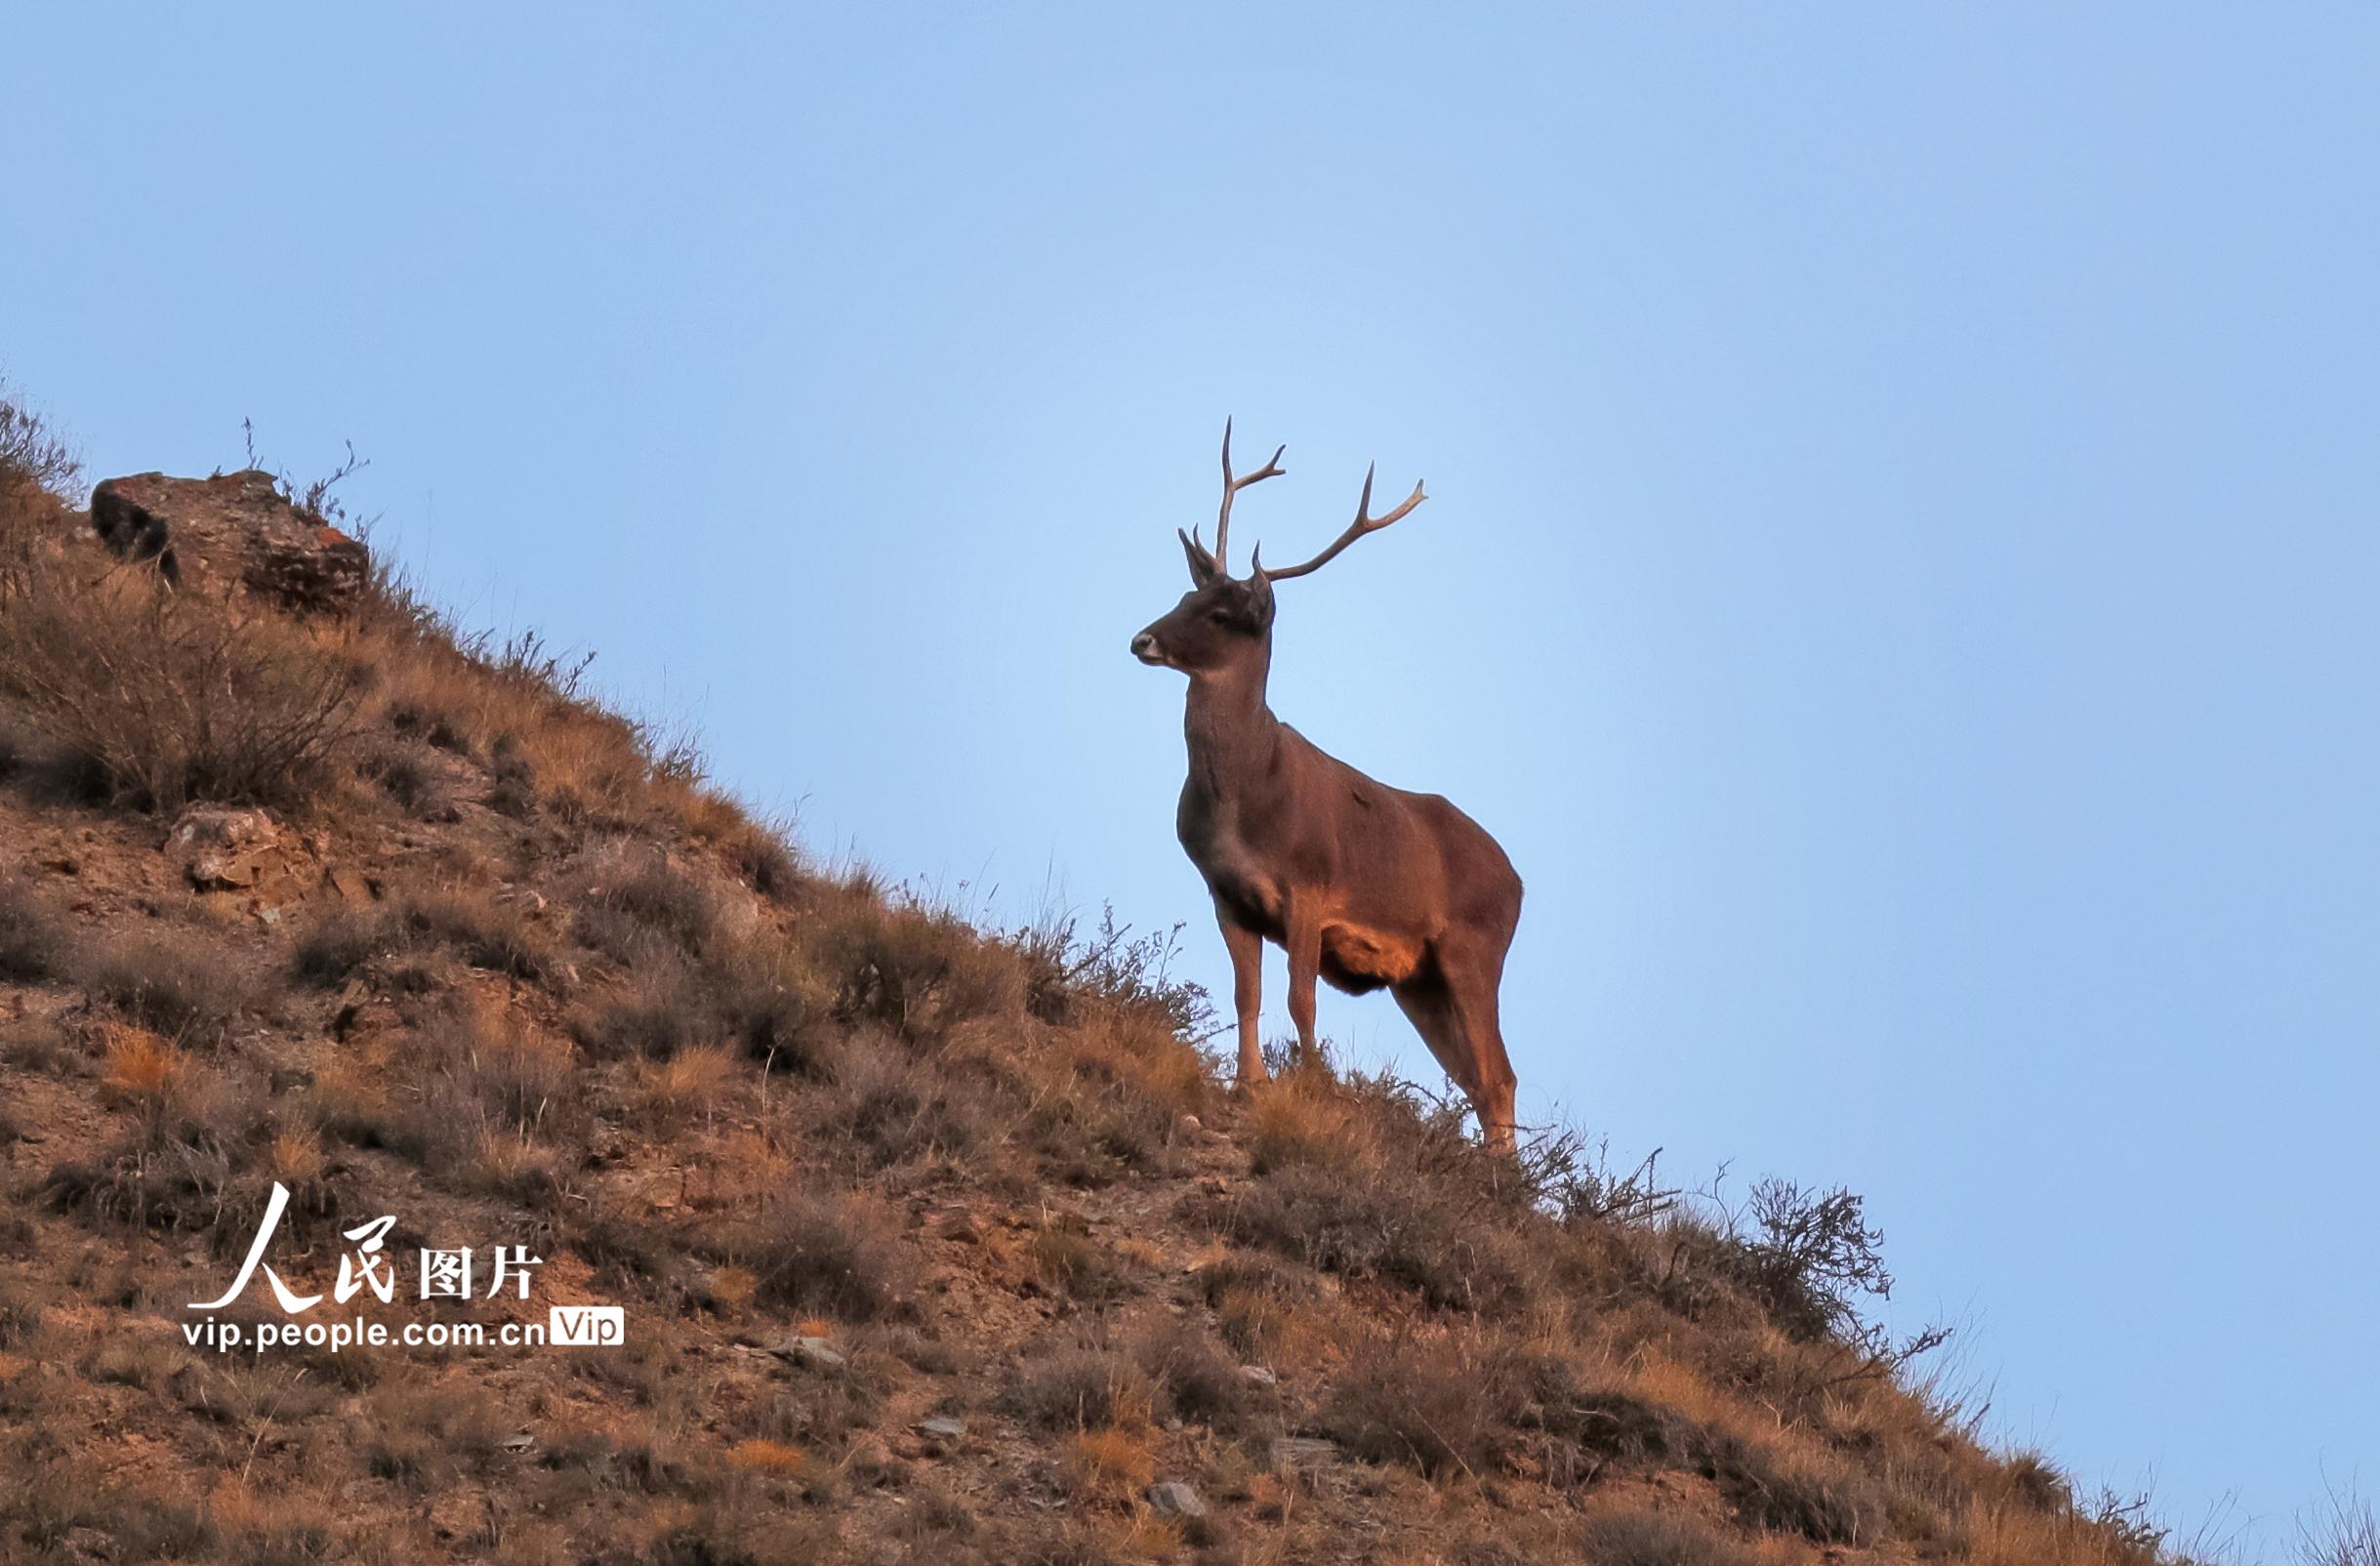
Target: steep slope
<point x="931" y="1243"/>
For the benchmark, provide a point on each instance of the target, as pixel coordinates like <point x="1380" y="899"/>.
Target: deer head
<point x="1225" y="620"/>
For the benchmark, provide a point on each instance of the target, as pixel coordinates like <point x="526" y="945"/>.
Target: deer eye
<point x="1219" y="617"/>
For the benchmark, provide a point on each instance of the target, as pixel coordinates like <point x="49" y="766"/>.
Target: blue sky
<point x="1899" y="578"/>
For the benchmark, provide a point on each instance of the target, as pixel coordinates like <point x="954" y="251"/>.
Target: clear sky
<point x="1899" y="577"/>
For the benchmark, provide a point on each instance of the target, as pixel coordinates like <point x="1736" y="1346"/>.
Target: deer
<point x="1362" y="885"/>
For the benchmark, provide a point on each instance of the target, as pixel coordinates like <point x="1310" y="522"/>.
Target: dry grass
<point x="152" y="1077"/>
<point x="693" y="1084"/>
<point x="1107" y="1464"/>
<point x="1658" y="1538"/>
<point x="1195" y="1381"/>
<point x="35" y="461"/>
<point x="846" y="1255"/>
<point x="156" y="698"/>
<point x="1082" y="1390"/>
<point x="778" y="1460"/>
<point x="33" y="934"/>
<point x="473" y="922"/>
<point x="171" y="980"/>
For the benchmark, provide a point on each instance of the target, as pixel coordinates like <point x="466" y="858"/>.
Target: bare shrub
<point x="650" y="902"/>
<point x="882" y="1106"/>
<point x="423" y="1437"/>
<point x="2345" y="1534"/>
<point x="159" y="698"/>
<point x="1067" y="969"/>
<point x="1080" y="1389"/>
<point x="845" y="1256"/>
<point x="32" y="453"/>
<point x="1474" y="1400"/>
<point x="909" y="967"/>
<point x="32" y="934"/>
<point x="759" y="851"/>
<point x="1395" y="1225"/>
<point x="19" y="1313"/>
<point x="170" y="980"/>
<point x="754" y="995"/>
<point x="1195" y="1381"/>
<point x="1658" y="1538"/>
<point x="485" y="932"/>
<point x="481" y="1104"/>
<point x="341" y="941"/>
<point x="1252" y="1295"/>
<point x="1771" y="1489"/>
<point x="1442" y="1407"/>
<point x="1067" y="1259"/>
<point x="1810" y="1255"/>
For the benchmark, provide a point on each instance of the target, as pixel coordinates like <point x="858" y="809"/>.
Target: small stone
<point x="1191" y="1125"/>
<point x="519" y="1443"/>
<point x="942" y="1428"/>
<point x="1258" y="1376"/>
<point x="809" y="1351"/>
<point x="1174" y="1499"/>
<point x="1302" y="1451"/>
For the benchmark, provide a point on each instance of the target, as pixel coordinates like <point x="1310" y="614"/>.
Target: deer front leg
<point x="1246" y="949"/>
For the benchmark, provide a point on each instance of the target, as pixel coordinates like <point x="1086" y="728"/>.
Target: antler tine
<point x="1365" y="523"/>
<point x="1231" y="487"/>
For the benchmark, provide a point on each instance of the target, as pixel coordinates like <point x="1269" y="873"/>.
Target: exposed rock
<point x="221" y="846"/>
<point x="1303" y="1452"/>
<point x="943" y="1428"/>
<point x="1174" y="1499"/>
<point x="234" y="532"/>
<point x="1258" y="1376"/>
<point x="225" y="848"/>
<point x="815" y="1351"/>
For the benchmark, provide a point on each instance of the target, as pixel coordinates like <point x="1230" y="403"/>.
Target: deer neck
<point x="1228" y="723"/>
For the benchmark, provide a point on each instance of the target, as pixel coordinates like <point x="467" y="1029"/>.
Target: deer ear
<point x="1260" y="597"/>
<point x="1203" y="569"/>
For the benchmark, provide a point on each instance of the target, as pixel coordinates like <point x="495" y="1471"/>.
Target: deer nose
<point x="1144" y="646"/>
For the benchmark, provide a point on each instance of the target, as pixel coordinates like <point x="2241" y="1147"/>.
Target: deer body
<point x="1363" y="885"/>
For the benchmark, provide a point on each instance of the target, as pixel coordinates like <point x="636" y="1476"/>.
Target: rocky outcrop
<point x="234" y="532"/>
<point x="264" y="866"/>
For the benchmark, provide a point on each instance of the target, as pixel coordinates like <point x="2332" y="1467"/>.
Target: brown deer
<point x="1361" y="884"/>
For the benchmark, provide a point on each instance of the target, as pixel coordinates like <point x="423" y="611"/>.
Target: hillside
<point x="932" y="1243"/>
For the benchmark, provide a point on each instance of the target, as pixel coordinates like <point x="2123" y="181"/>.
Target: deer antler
<point x="1365" y="523"/>
<point x="1231" y="488"/>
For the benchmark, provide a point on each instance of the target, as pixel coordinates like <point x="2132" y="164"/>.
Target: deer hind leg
<point x="1303" y="941"/>
<point x="1474" y="993"/>
<point x="1246" y="949"/>
<point x="1456" y="1014"/>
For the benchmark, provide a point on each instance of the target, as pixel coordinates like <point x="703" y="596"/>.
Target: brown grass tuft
<point x="33" y="934"/>
<point x="173" y="981"/>
<point x="846" y="1255"/>
<point x="1108" y="1465"/>
<point x="1082" y="1390"/>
